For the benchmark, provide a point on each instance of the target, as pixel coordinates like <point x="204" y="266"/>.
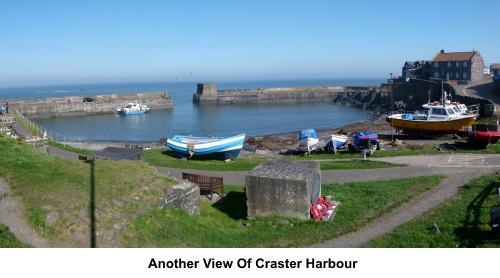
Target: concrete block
<point x="283" y="187"/>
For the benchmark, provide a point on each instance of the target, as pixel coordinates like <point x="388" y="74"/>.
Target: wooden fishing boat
<point x="218" y="148"/>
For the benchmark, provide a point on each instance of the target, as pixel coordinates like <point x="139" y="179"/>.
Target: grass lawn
<point x="47" y="184"/>
<point x="224" y="224"/>
<point x="463" y="221"/>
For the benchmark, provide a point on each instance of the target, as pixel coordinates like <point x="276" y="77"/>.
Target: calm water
<point x="189" y="118"/>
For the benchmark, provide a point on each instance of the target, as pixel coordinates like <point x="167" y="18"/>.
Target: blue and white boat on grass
<point x="335" y="141"/>
<point x="217" y="148"/>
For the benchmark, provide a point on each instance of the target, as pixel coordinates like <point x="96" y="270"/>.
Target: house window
<point x="457" y="64"/>
<point x="436" y="74"/>
<point x="449" y="64"/>
<point x="436" y="64"/>
<point x="464" y="75"/>
<point x="457" y="75"/>
<point x="464" y="64"/>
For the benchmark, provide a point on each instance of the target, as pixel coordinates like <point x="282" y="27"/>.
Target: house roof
<point x="453" y="56"/>
<point x="495" y="66"/>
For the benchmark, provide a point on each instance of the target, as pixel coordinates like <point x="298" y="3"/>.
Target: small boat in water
<point x="308" y="140"/>
<point x="218" y="148"/>
<point x="133" y="109"/>
<point x="480" y="139"/>
<point x="335" y="141"/>
<point x="438" y="118"/>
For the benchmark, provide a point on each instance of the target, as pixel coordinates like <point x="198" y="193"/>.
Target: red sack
<point x="316" y="212"/>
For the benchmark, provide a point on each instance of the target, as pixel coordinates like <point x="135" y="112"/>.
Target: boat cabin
<point x="448" y="110"/>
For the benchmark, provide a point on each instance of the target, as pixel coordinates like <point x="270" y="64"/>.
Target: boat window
<point x="450" y="111"/>
<point x="456" y="110"/>
<point x="438" y="111"/>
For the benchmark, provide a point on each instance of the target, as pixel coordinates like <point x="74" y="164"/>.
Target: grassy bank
<point x="463" y="221"/>
<point x="48" y="185"/>
<point x="69" y="189"/>
<point x="343" y="160"/>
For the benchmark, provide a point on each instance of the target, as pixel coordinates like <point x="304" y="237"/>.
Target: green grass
<point x="222" y="224"/>
<point x="70" y="148"/>
<point x="463" y="221"/>
<point x="8" y="240"/>
<point x="166" y="158"/>
<point x="65" y="186"/>
<point x="46" y="184"/>
<point x="343" y="160"/>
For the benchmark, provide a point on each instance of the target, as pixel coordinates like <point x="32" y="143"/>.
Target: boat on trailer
<point x="216" y="148"/>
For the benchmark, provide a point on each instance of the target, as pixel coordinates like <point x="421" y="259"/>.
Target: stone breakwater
<point x="396" y="95"/>
<point x="97" y="104"/>
<point x="208" y="93"/>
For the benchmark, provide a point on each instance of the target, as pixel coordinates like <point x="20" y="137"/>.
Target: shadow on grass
<point x="172" y="154"/>
<point x="234" y="204"/>
<point x="472" y="233"/>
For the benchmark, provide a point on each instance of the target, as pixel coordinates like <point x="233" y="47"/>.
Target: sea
<point x="188" y="118"/>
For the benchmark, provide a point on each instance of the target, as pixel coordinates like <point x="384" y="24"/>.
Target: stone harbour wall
<point x="207" y="93"/>
<point x="75" y="105"/>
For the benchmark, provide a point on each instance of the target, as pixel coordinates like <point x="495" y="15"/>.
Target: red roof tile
<point x="453" y="56"/>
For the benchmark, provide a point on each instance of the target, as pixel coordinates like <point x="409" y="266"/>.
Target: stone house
<point x="417" y="69"/>
<point x="458" y="66"/>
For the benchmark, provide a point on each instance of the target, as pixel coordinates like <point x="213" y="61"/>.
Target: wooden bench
<point x="206" y="183"/>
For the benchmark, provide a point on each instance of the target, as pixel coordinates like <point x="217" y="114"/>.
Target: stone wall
<point x="74" y="105"/>
<point x="207" y="93"/>
<point x="184" y="196"/>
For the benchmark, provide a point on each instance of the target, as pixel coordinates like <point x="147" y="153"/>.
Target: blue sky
<point x="64" y="42"/>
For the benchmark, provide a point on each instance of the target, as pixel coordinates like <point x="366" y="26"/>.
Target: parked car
<point x="88" y="99"/>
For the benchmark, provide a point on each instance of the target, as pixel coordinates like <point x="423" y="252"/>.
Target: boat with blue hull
<point x="216" y="148"/>
<point x="308" y="140"/>
<point x="133" y="109"/>
<point x="335" y="141"/>
<point x="365" y="139"/>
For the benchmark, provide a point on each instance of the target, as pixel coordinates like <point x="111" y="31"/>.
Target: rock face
<point x="282" y="187"/>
